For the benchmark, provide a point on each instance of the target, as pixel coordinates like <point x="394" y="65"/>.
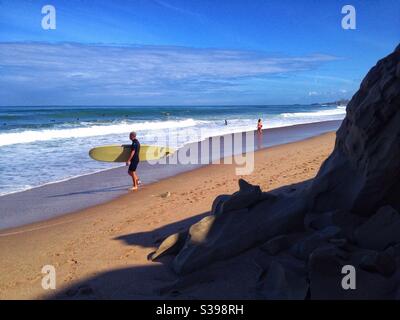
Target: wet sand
<point x="103" y="250"/>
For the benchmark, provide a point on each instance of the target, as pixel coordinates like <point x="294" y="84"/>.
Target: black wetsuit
<point x="135" y="160"/>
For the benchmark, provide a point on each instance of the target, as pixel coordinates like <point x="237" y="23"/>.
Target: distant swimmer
<point x="133" y="161"/>
<point x="226" y="122"/>
<point x="259" y="126"/>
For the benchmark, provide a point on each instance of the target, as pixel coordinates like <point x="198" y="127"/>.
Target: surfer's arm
<point x="130" y="157"/>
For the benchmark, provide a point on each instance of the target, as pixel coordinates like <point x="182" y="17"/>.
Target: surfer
<point x="259" y="126"/>
<point x="226" y="122"/>
<point x="133" y="160"/>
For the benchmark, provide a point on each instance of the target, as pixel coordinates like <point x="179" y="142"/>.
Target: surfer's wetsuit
<point x="135" y="160"/>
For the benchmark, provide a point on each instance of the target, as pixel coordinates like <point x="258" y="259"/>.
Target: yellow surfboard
<point x="120" y="153"/>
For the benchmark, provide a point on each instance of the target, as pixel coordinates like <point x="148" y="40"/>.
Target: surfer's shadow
<point x="94" y="191"/>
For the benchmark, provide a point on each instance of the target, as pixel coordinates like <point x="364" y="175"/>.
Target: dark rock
<point x="339" y="242"/>
<point x="380" y="262"/>
<point x="225" y="235"/>
<point x="363" y="171"/>
<point x="345" y="220"/>
<point x="276" y="245"/>
<point x="318" y="221"/>
<point x="380" y="231"/>
<point x="394" y="251"/>
<point x="171" y="245"/>
<point x="200" y="231"/>
<point x="303" y="248"/>
<point x="216" y="206"/>
<point x="282" y="283"/>
<point x="325" y="274"/>
<point x="244" y="198"/>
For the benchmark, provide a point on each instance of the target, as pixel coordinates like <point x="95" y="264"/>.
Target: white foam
<point x="29" y="136"/>
<point x="320" y="113"/>
<point x="29" y="187"/>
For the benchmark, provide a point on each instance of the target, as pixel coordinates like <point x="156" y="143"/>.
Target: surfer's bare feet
<point x="133" y="189"/>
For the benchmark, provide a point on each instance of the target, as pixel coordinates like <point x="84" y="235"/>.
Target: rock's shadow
<point x="154" y="237"/>
<point x="159" y="281"/>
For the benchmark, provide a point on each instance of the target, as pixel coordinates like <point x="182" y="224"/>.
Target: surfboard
<point x="121" y="153"/>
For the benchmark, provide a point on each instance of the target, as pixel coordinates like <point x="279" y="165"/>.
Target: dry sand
<point x="118" y="236"/>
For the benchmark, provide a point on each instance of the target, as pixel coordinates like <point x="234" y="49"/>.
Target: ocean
<point x="42" y="145"/>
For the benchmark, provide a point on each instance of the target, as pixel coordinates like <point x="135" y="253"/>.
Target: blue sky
<point x="199" y="52"/>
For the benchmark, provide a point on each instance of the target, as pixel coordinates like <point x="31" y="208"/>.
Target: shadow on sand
<point x="155" y="281"/>
<point x="154" y="237"/>
<point x="94" y="191"/>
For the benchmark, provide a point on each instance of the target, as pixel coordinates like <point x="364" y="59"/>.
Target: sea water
<point x="41" y="145"/>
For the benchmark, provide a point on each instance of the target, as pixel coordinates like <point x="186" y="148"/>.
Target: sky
<point x="190" y="52"/>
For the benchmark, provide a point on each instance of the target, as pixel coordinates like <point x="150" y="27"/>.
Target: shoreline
<point x="110" y="239"/>
<point x="196" y="142"/>
<point x="112" y="183"/>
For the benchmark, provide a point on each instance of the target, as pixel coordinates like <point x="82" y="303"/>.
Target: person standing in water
<point x="259" y="126"/>
<point x="133" y="160"/>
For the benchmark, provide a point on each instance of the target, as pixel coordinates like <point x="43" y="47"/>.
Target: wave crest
<point x="29" y="136"/>
<point x="320" y="113"/>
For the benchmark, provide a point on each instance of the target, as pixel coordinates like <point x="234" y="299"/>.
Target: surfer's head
<point x="132" y="135"/>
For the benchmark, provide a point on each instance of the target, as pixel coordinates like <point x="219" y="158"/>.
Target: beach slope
<point x="101" y="252"/>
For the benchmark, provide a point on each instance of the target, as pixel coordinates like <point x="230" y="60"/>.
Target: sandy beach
<point x="103" y="250"/>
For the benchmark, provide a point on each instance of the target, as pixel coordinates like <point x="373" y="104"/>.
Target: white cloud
<point x="110" y="70"/>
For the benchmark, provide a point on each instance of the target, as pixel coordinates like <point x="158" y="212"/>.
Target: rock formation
<point x="362" y="174"/>
<point x="306" y="233"/>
